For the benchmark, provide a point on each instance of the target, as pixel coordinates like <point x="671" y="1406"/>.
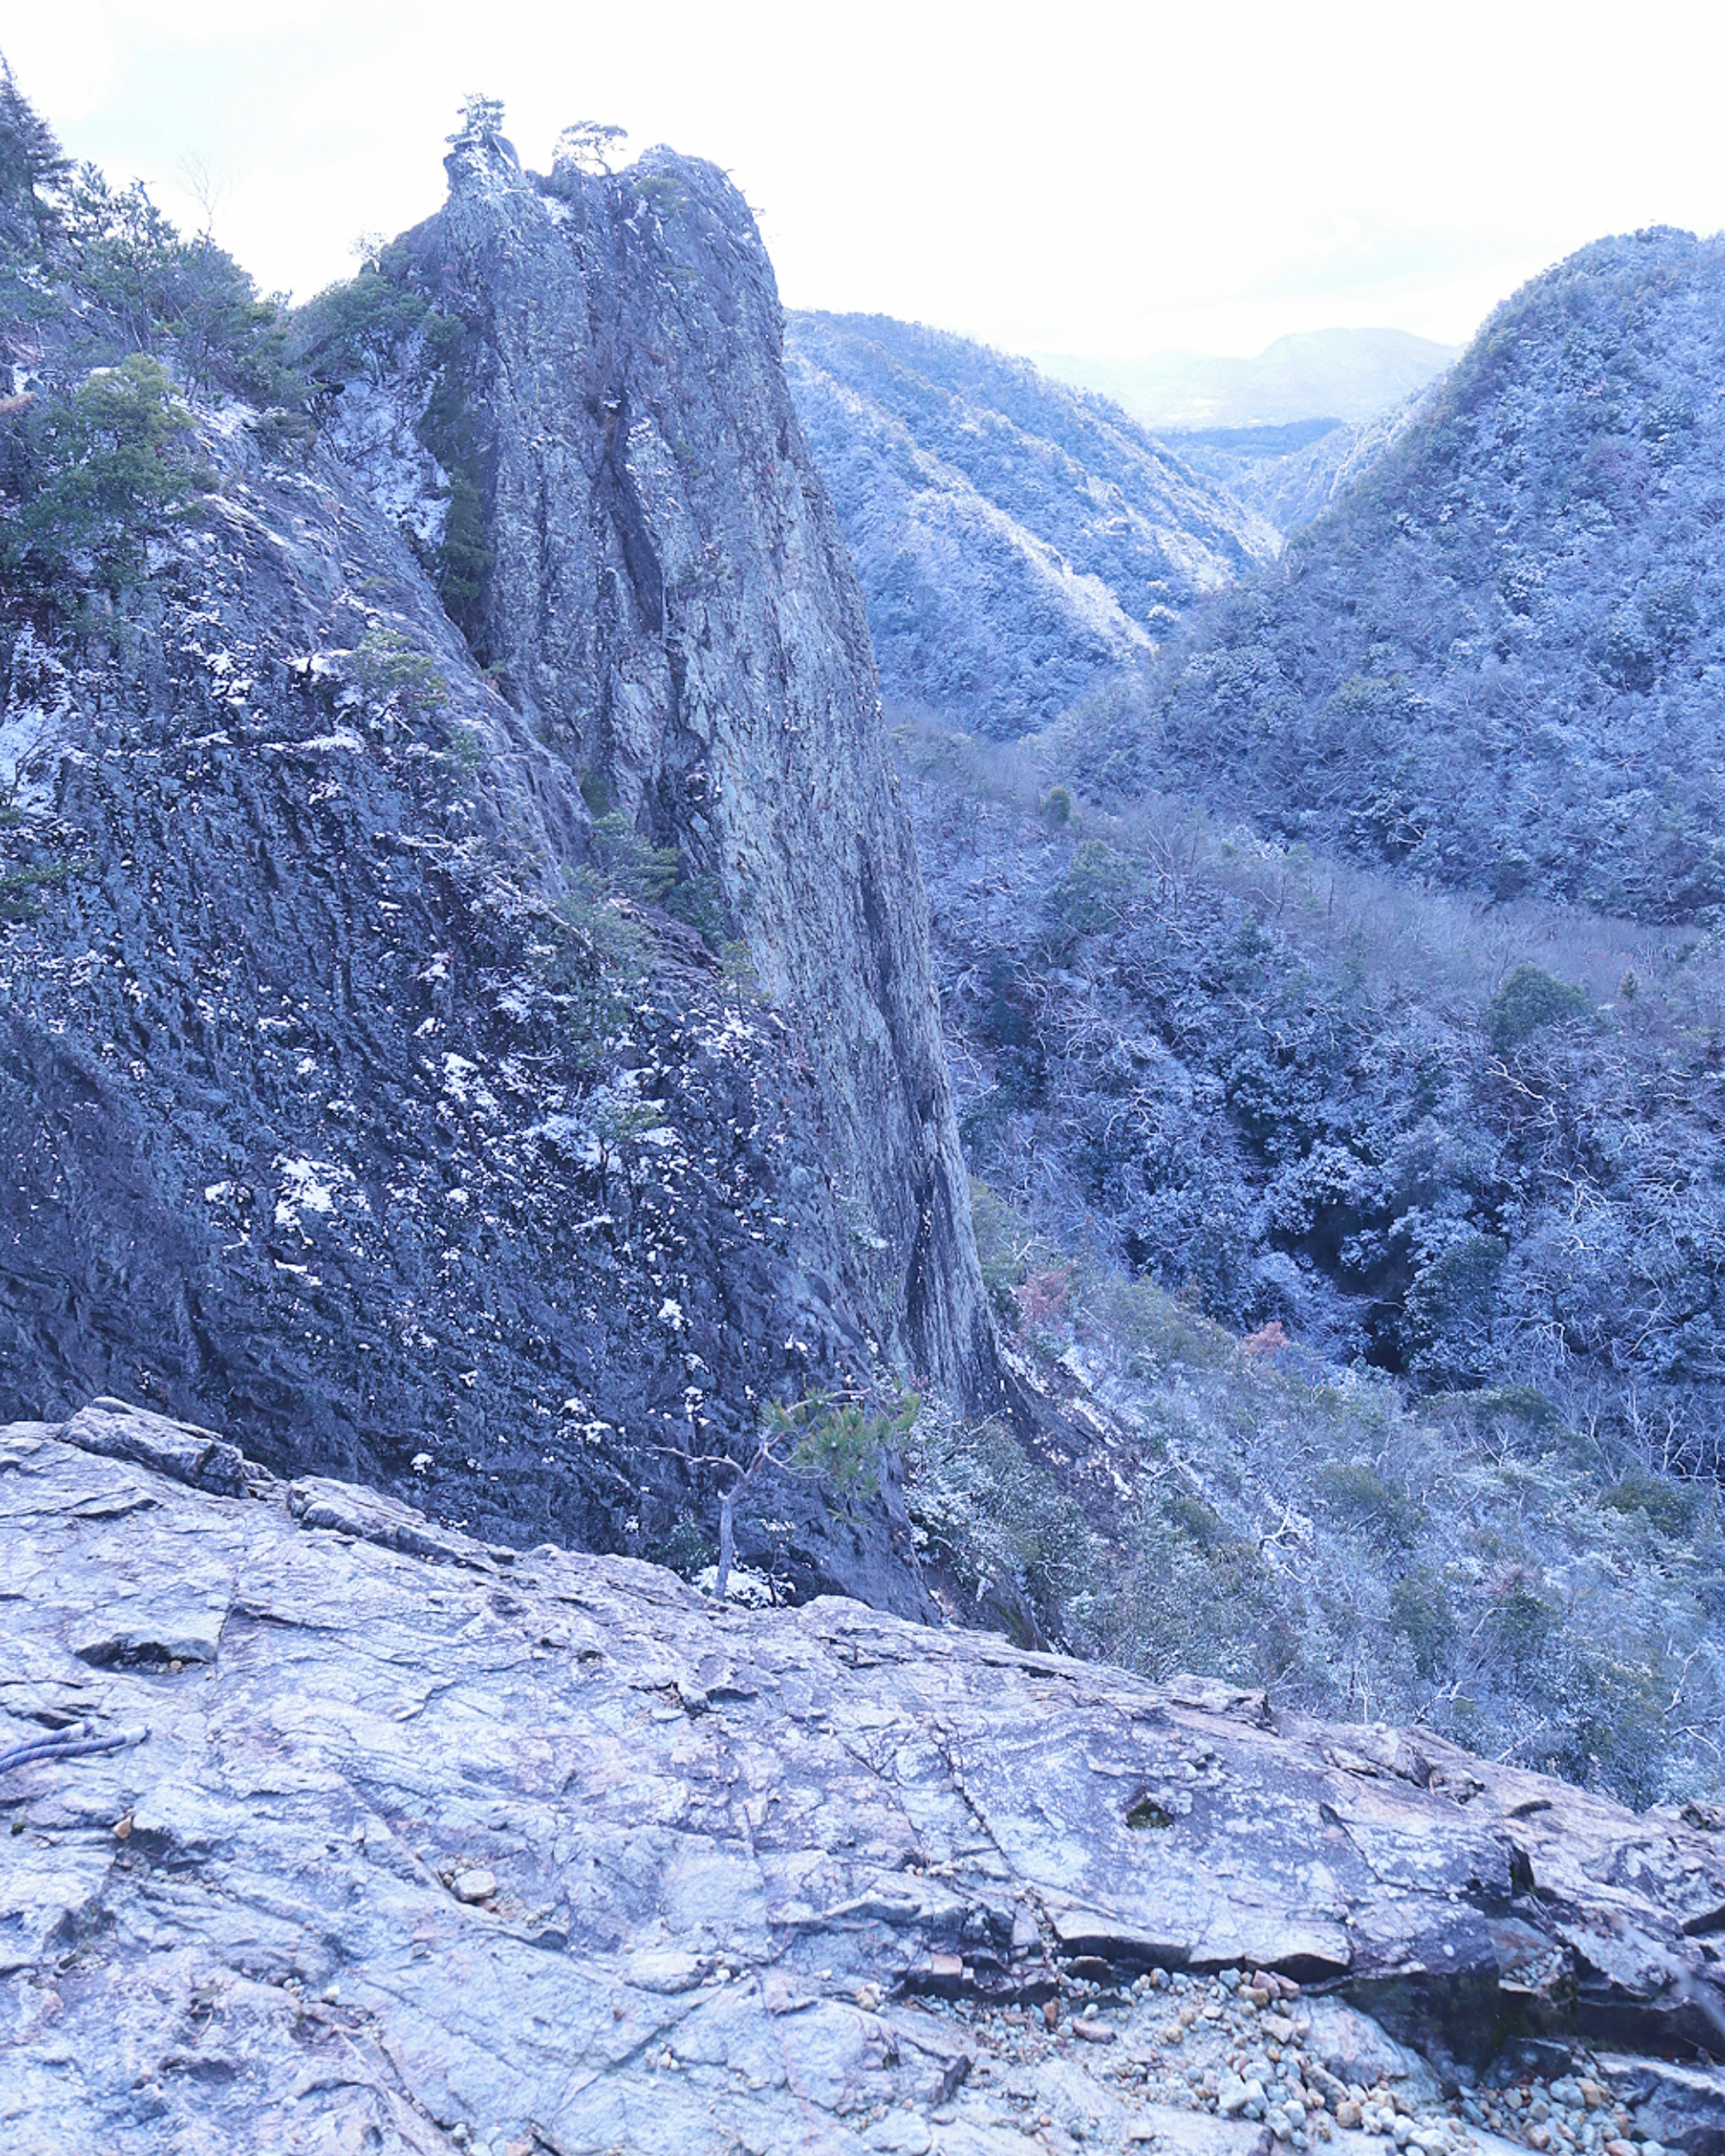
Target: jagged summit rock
<point x="1019" y="541"/>
<point x="409" y="1843"/>
<point x="351" y="1097"/>
<point x="665" y="595"/>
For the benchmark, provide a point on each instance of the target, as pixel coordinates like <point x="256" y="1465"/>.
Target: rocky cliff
<point x="356" y="1089"/>
<point x="332" y="1829"/>
<point x="1019" y="541"/>
<point x="669" y="602"/>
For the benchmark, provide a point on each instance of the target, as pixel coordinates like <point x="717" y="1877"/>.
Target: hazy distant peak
<point x="1340" y="374"/>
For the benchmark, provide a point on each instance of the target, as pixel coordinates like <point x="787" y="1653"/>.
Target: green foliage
<point x="164" y="294"/>
<point x="18" y="887"/>
<point x="33" y="169"/>
<point x="1095" y="892"/>
<point x="1529" y="999"/>
<point x="997" y="1524"/>
<point x="589" y="146"/>
<point x="840" y="1441"/>
<point x="1057" y="807"/>
<point x="103" y="478"/>
<point x="1668" y="1506"/>
<point x="481" y="119"/>
<point x="1200" y="1523"/>
<point x="462" y="563"/>
<point x="1421" y="1610"/>
<point x="686" y="1549"/>
<point x="662" y="194"/>
<point x="736" y="971"/>
<point x="391" y="668"/>
<point x="1472" y="1563"/>
<point x="656" y="875"/>
<point x="356" y="331"/>
<point x="1146" y="1815"/>
<point x="594" y="959"/>
<point x="1450" y="1308"/>
<point x="1357" y="1493"/>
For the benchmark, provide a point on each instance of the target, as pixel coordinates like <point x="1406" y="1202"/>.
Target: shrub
<point x="1529" y="1000"/>
<point x="1097" y="888"/>
<point x="103" y="477"/>
<point x="392" y="670"/>
<point x="1419" y="1610"/>
<point x="1358" y="1493"/>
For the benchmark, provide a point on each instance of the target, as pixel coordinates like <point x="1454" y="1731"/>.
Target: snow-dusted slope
<point x="1017" y="540"/>
<point x="1497" y="660"/>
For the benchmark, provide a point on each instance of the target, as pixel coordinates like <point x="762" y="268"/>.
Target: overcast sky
<point x="1077" y="176"/>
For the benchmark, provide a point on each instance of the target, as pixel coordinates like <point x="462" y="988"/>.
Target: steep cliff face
<point x="668" y="603"/>
<point x="347" y="1096"/>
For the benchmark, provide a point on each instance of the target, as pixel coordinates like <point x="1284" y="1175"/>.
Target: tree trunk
<point x="727" y="1546"/>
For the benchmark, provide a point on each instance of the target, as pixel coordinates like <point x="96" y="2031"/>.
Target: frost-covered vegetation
<point x="1465" y="1144"/>
<point x="112" y="321"/>
<point x="1017" y="540"/>
<point x="1474" y="1562"/>
<point x="1382" y="1229"/>
<point x="1497" y="663"/>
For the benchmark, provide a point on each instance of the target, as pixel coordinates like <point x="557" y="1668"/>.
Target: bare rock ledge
<point x="431" y="1846"/>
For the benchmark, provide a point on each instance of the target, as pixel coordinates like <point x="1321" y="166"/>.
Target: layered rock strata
<point x="411" y="1843"/>
<point x="314" y="1120"/>
<point x="669" y="602"/>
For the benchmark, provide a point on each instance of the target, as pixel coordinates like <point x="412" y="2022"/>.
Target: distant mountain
<point x="1499" y="661"/>
<point x="1290" y="474"/>
<point x="1334" y="374"/>
<point x="1017" y="540"/>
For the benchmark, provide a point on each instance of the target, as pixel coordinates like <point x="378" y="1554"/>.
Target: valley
<point x="862" y="1241"/>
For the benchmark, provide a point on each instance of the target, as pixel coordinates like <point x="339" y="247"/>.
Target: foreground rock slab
<point x="431" y="1845"/>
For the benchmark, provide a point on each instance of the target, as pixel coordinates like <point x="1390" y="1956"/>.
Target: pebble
<point x="475" y="1884"/>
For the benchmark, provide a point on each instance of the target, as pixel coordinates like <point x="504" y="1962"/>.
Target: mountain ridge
<point x="1018" y="540"/>
<point x="1350" y="375"/>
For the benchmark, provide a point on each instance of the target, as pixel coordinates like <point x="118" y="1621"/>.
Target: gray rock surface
<point x="306" y="1128"/>
<point x="669" y="603"/>
<point x="539" y="1852"/>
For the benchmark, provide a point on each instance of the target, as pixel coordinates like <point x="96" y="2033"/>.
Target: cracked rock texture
<point x="431" y="1843"/>
<point x="670" y="604"/>
<point x="302" y="1132"/>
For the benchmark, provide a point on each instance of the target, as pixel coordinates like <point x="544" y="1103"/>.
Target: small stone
<point x="1093" y="2032"/>
<point x="1539" y="2135"/>
<point x="1348" y="2113"/>
<point x="475" y="1884"/>
<point x="1051" y="2013"/>
<point x="1592" y="2095"/>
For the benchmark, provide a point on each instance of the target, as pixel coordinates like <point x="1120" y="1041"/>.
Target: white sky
<point x="1084" y="176"/>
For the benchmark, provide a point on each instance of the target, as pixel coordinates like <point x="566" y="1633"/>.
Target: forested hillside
<point x="1497" y="662"/>
<point x="1018" y="542"/>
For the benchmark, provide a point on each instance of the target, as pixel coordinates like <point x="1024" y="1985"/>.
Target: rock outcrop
<point x="362" y="1833"/>
<point x="669" y="603"/>
<point x="323" y="1114"/>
